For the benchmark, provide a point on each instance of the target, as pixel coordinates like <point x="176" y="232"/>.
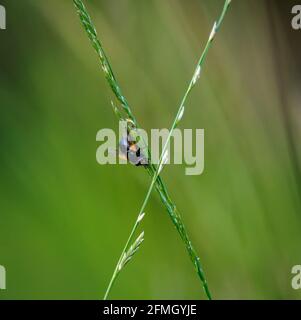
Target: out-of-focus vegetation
<point x="64" y="218"/>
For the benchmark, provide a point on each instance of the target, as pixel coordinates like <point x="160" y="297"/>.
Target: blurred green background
<point x="64" y="218"/>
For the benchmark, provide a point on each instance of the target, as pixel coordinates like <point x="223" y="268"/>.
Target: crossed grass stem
<point x="154" y="171"/>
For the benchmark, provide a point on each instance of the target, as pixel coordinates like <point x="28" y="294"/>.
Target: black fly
<point x="129" y="150"/>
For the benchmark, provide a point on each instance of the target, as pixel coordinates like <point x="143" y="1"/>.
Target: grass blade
<point x="154" y="171"/>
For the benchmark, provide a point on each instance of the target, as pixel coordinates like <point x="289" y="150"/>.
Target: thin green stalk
<point x="116" y="270"/>
<point x="152" y="169"/>
<point x="130" y="239"/>
<point x="177" y="119"/>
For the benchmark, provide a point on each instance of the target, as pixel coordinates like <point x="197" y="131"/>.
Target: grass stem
<point x="153" y="170"/>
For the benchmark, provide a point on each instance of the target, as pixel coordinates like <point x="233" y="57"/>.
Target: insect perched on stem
<point x="129" y="149"/>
